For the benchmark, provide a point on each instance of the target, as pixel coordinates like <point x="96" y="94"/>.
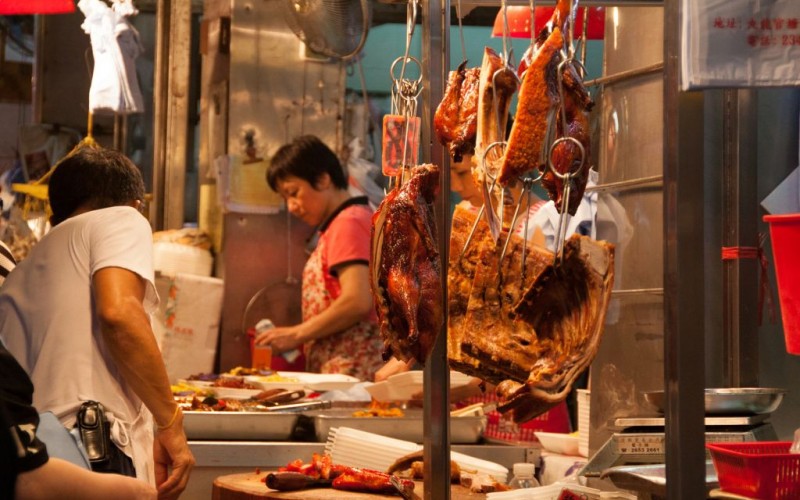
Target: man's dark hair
<point x="307" y="158"/>
<point x="93" y="178"/>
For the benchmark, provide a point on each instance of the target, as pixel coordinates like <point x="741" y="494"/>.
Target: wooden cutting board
<point x="250" y="486"/>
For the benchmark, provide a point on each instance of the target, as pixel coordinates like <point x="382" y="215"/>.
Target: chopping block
<point x="250" y="486"/>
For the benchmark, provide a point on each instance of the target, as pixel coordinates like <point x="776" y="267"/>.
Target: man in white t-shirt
<point x="76" y="315"/>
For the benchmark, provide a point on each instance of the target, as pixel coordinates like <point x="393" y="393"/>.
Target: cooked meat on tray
<point x="456" y="119"/>
<point x="405" y="270"/>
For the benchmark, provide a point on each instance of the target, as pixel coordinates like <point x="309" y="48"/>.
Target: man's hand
<point x="173" y="460"/>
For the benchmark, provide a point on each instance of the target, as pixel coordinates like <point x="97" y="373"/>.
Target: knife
<point x="398" y="485"/>
<point x="293" y="407"/>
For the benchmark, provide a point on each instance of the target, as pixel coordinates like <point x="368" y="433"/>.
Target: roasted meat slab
<point x="497" y="288"/>
<point x="564" y="309"/>
<point x="538" y="100"/>
<point x="497" y="87"/>
<point x="567" y="155"/>
<point x="456" y="119"/>
<point x="405" y="270"/>
<point x="460" y="276"/>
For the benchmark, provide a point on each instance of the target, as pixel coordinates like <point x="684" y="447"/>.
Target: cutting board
<point x="250" y="486"/>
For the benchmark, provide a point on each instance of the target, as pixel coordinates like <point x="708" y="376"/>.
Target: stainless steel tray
<point x="731" y="401"/>
<point x="273" y="426"/>
<point x="463" y="430"/>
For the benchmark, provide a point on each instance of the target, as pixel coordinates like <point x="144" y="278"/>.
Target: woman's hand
<point x="392" y="367"/>
<point x="281" y="338"/>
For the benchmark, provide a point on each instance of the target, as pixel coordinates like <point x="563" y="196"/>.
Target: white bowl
<point x="564" y="444"/>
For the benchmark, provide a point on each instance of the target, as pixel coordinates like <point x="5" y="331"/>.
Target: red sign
<point x="19" y="7"/>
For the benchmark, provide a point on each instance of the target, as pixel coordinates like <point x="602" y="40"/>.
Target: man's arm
<point x="128" y="335"/>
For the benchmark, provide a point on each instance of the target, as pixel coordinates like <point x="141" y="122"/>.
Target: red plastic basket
<point x="764" y="470"/>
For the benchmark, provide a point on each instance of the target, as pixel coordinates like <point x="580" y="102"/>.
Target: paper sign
<point x="740" y="43"/>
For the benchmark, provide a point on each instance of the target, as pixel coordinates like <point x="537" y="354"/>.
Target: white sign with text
<point x="740" y="43"/>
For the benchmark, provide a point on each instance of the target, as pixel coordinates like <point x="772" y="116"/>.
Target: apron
<point x="355" y="351"/>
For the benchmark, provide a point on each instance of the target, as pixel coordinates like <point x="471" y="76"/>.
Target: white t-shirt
<point x="48" y="320"/>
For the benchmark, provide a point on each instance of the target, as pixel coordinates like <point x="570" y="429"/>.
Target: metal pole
<point x="684" y="309"/>
<point x="160" y="80"/>
<point x="740" y="229"/>
<point x="171" y="111"/>
<point x="436" y="416"/>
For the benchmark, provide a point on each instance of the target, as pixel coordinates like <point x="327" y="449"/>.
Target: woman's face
<point x="461" y="181"/>
<point x="302" y="200"/>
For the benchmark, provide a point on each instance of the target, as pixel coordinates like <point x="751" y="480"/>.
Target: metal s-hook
<point x="566" y="178"/>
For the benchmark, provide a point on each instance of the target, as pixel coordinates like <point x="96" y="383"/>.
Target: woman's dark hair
<point x="307" y="158"/>
<point x="94" y="178"/>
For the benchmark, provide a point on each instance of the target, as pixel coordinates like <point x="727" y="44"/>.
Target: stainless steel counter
<point x="218" y="458"/>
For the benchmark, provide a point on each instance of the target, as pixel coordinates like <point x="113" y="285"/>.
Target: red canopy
<point x="519" y="21"/>
<point x="15" y="7"/>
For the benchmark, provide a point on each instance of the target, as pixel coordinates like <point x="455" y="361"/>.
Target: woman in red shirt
<point x="339" y="331"/>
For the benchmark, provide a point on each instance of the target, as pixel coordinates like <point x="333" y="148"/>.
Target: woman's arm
<point x="353" y="305"/>
<point x="65" y="481"/>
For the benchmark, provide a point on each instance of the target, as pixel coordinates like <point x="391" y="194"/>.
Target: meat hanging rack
<point x="435" y="27"/>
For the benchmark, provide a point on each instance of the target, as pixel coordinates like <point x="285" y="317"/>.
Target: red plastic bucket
<point x="784" y="232"/>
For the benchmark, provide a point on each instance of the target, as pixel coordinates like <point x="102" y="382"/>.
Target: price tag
<point x="400" y="143"/>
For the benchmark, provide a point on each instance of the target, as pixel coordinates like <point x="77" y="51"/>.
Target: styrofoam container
<point x="549" y="492"/>
<point x="176" y="258"/>
<point x="565" y="444"/>
<point x="405" y="386"/>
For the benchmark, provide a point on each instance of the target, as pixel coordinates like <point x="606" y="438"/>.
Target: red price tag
<point x="399" y="142"/>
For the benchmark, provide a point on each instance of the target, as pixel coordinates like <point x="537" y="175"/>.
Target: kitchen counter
<point x="219" y="458"/>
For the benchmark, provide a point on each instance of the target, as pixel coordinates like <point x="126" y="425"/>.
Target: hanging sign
<point x="740" y="43"/>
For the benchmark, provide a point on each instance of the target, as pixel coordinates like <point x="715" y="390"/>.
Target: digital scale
<point x="641" y="440"/>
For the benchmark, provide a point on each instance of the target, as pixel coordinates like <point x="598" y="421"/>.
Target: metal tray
<point x="463" y="430"/>
<point x="274" y="426"/>
<point x="733" y="401"/>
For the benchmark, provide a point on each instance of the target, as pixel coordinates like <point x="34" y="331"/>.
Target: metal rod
<point x="626" y="75"/>
<point x="626" y="184"/>
<point x="639" y="291"/>
<point x="584" y="3"/>
<point x="436" y="379"/>
<point x="160" y="85"/>
<point x="684" y="272"/>
<point x="739" y="287"/>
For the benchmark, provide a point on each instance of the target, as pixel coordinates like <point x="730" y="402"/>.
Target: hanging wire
<point x="461" y="32"/>
<point x="411" y="21"/>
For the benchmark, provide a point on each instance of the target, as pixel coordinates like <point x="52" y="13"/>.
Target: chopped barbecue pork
<point x="456" y="119"/>
<point x="405" y="270"/>
<point x="354" y="479"/>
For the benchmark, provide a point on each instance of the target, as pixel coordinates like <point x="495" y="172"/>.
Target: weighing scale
<point x="641" y="440"/>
